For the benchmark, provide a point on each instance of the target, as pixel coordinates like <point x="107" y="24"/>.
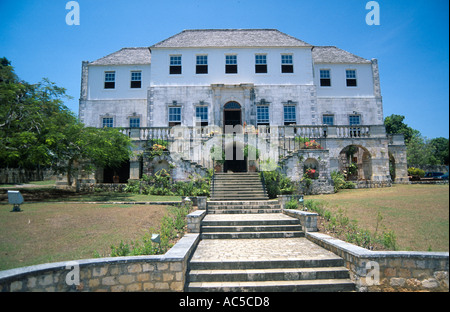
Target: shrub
<point x="277" y="183"/>
<point x="292" y="204"/>
<point x="416" y="172"/>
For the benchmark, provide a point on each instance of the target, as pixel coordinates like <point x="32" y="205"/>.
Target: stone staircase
<point x="248" y="244"/>
<point x="270" y="276"/>
<point x="250" y="226"/>
<point x="237" y="187"/>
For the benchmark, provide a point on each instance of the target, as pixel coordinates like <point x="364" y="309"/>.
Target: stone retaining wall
<point x="389" y="270"/>
<point x="140" y="273"/>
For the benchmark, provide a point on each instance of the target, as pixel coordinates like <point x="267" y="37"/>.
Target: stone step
<point x="249" y="222"/>
<point x="242" y="202"/>
<point x="239" y="198"/>
<point x="242" y="211"/>
<point x="266" y="264"/>
<point x="280" y="274"/>
<point x="251" y="235"/>
<point x="323" y="285"/>
<point x="250" y="228"/>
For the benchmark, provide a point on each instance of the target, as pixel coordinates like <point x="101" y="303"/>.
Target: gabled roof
<point x="126" y="56"/>
<point x="329" y="54"/>
<point x="219" y="38"/>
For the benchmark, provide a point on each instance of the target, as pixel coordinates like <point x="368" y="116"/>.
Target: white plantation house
<point x="300" y="106"/>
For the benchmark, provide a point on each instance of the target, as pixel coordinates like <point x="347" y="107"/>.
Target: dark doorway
<point x="234" y="164"/>
<point x="232" y="114"/>
<point x="117" y="175"/>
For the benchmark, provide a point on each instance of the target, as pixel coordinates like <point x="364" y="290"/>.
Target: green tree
<point x="38" y="130"/>
<point x="440" y="148"/>
<point x="394" y="125"/>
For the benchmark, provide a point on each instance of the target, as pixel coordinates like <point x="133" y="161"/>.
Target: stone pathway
<point x="260" y="250"/>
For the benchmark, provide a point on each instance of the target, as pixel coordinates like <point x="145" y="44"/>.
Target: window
<point x="260" y="63"/>
<point x="289" y="115"/>
<point x="175" y="64"/>
<point x="328" y="120"/>
<point x="202" y="64"/>
<point x="135" y="122"/>
<point x="231" y="64"/>
<point x="351" y="77"/>
<point x="287" y="65"/>
<point x="262" y="115"/>
<point x="108" y="122"/>
<point x="201" y="113"/>
<point x="325" y="78"/>
<point x="174" y="116"/>
<point x="354" y="120"/>
<point x="136" y="79"/>
<point x="110" y="80"/>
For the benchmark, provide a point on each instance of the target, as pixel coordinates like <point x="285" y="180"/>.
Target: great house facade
<point x="300" y="106"/>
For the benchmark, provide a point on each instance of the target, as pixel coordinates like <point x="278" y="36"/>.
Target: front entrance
<point x="232" y="116"/>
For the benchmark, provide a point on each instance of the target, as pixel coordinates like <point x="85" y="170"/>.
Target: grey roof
<point x="206" y="38"/>
<point x="329" y="54"/>
<point x="126" y="56"/>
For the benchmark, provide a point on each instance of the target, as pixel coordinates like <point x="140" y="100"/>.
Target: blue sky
<point x="411" y="43"/>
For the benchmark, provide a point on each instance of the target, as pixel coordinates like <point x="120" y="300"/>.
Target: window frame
<point x="136" y="84"/>
<point x="175" y="64"/>
<point x="261" y="63"/>
<point x="174" y="122"/>
<point x="287" y="65"/>
<point x="350" y="117"/>
<point x="201" y="64"/>
<point x="352" y="81"/>
<point x="231" y="66"/>
<point x="290" y="121"/>
<point x="202" y="115"/>
<point x="107" y="122"/>
<point x="324" y="80"/>
<point x="325" y="123"/>
<point x="132" y="122"/>
<point x="109" y="79"/>
<point x="262" y="121"/>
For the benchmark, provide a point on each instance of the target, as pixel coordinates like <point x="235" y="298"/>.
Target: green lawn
<point x="51" y="232"/>
<point x="418" y="214"/>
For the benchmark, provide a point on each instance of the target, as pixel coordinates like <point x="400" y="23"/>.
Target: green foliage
<point x="161" y="183"/>
<point x="38" y="130"/>
<point x="277" y="183"/>
<point x="292" y="204"/>
<point x="340" y="182"/>
<point x="416" y="172"/>
<point x="340" y="224"/>
<point x="172" y="225"/>
<point x="254" y="152"/>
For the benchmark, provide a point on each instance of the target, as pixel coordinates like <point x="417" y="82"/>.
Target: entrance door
<point x="232" y="116"/>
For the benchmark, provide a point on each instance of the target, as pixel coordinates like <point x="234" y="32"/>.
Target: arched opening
<point x="119" y="174"/>
<point x="232" y="114"/>
<point x="355" y="162"/>
<point x="311" y="168"/>
<point x="392" y="166"/>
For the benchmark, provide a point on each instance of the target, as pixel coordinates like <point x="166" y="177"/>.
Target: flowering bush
<point x="310" y="173"/>
<point x="312" y="145"/>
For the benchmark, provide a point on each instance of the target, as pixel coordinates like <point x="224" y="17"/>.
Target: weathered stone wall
<point x="140" y="273"/>
<point x="389" y="270"/>
<point x="17" y="176"/>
